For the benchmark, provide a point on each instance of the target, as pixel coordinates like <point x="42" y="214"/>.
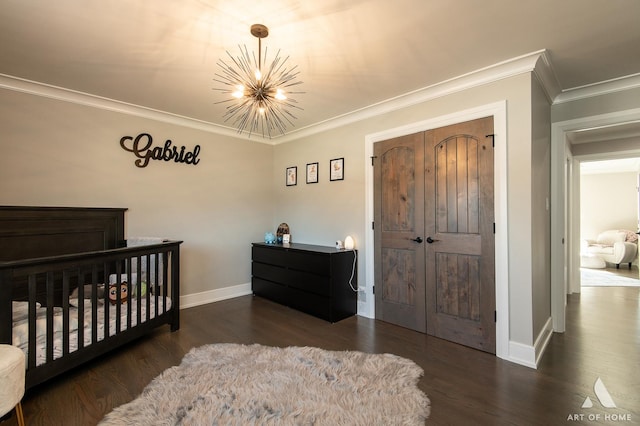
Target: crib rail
<point x="148" y="275"/>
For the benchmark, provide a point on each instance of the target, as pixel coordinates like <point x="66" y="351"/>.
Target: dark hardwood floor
<point x="465" y="386"/>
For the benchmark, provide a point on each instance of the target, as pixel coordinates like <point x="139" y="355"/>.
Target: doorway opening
<point x="573" y="141"/>
<point x="609" y="219"/>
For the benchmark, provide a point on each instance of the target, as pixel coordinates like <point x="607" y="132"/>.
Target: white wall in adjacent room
<point x="608" y="201"/>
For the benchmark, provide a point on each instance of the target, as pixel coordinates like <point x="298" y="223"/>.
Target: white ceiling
<point x="162" y="54"/>
<point x="623" y="165"/>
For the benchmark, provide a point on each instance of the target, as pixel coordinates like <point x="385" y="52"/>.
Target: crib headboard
<point x="30" y="232"/>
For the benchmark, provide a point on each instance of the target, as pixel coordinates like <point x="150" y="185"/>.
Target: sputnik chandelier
<point x="260" y="94"/>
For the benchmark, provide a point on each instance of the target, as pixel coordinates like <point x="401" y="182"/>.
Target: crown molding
<point x="535" y="62"/>
<point x="547" y="77"/>
<point x="509" y="68"/>
<point x="597" y="89"/>
<point x="80" y="98"/>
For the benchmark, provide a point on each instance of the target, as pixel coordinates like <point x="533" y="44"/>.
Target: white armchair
<point x="613" y="246"/>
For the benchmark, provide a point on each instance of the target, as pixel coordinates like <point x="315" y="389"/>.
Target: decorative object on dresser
<point x="283" y="229"/>
<point x="349" y="244"/>
<point x="318" y="280"/>
<point x="269" y="238"/>
<point x="233" y="384"/>
<point x="54" y="265"/>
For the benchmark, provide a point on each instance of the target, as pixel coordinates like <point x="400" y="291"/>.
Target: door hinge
<point x="494" y="227"/>
<point x="495" y="316"/>
<point x="373" y="289"/>
<point x="373" y="157"/>
<point x="493" y="139"/>
<point x="373" y="225"/>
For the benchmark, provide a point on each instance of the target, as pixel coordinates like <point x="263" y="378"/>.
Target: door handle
<point x="417" y="240"/>
<point x="431" y="240"/>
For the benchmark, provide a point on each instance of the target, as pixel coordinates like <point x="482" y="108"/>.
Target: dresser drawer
<point x="271" y="256"/>
<point x="317" y="284"/>
<point x="269" y="272"/>
<point x="311" y="304"/>
<point x="270" y="290"/>
<point x="310" y="262"/>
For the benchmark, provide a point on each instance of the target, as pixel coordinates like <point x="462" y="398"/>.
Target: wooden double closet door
<point x="434" y="233"/>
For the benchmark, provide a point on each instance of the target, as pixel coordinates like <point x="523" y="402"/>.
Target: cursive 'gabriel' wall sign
<point x="141" y="148"/>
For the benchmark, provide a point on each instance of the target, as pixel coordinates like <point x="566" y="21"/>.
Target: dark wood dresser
<point x="312" y="279"/>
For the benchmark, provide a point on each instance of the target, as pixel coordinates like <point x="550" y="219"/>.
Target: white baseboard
<point x="197" y="299"/>
<point x="528" y="355"/>
<point x="522" y="354"/>
<point x="364" y="310"/>
<point x="543" y="339"/>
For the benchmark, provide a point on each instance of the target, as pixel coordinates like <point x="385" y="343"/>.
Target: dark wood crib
<point x="57" y="267"/>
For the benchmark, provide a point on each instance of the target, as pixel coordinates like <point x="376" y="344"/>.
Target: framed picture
<point x="292" y="176"/>
<point x="336" y="169"/>
<point x="312" y="173"/>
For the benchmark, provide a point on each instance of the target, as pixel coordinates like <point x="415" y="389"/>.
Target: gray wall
<point x="62" y="154"/>
<point x="541" y="214"/>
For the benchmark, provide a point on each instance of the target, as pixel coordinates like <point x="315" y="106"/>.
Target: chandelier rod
<point x="259" y="31"/>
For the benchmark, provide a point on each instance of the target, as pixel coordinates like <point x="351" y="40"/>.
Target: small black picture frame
<point x="336" y="169"/>
<point x="312" y="172"/>
<point x="292" y="176"/>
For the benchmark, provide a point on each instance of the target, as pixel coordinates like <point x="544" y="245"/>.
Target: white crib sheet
<point x="21" y="324"/>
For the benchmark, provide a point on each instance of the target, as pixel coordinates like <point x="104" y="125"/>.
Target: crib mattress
<point x="77" y="317"/>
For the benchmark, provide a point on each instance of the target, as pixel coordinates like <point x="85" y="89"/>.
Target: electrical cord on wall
<point x="353" y="271"/>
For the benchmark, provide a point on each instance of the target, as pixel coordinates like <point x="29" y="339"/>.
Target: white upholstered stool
<point x="12" y="374"/>
<point x="592" y="261"/>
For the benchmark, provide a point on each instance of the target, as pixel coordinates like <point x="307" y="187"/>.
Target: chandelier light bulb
<point x="258" y="75"/>
<point x="280" y="95"/>
<point x="239" y="93"/>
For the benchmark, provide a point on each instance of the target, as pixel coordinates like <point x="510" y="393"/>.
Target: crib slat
<point x="65" y="311"/>
<point x="150" y="285"/>
<point x="94" y="302"/>
<point x="138" y="290"/>
<point x="50" y="305"/>
<point x="33" y="289"/>
<point x="118" y="302"/>
<point x="129" y="291"/>
<point x="6" y="310"/>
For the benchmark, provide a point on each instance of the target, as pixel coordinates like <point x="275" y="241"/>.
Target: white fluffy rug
<point x="609" y="277"/>
<point x="231" y="384"/>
